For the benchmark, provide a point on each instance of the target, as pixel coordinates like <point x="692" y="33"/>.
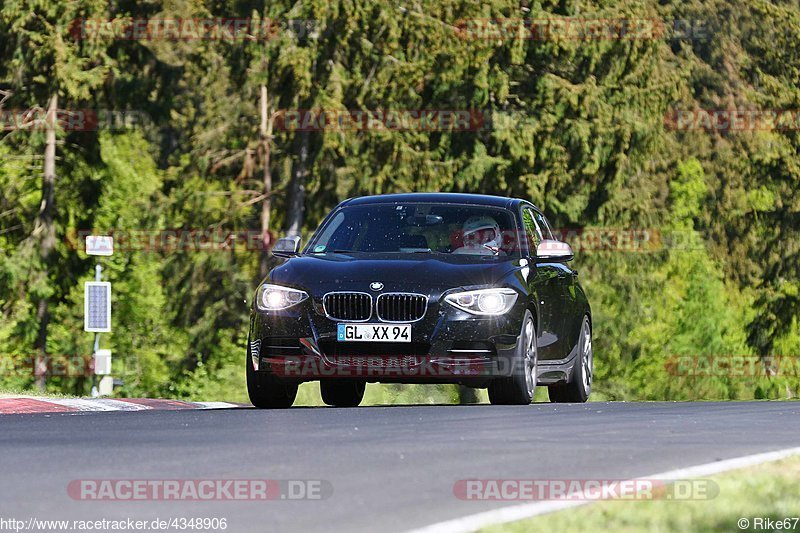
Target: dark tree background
<point x="186" y="140"/>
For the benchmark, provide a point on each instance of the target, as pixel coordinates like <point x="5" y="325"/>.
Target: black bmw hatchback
<point x="422" y="288"/>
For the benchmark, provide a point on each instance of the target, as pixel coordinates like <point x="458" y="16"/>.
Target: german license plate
<point x="373" y="332"/>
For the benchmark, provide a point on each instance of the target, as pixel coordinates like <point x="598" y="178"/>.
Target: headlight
<point x="275" y="297"/>
<point x="484" y="301"/>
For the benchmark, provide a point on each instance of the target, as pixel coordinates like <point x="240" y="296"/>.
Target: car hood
<point x="425" y="273"/>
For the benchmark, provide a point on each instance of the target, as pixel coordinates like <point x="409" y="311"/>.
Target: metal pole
<point x="97" y="277"/>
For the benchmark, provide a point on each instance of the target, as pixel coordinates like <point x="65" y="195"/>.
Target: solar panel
<point x="97" y="306"/>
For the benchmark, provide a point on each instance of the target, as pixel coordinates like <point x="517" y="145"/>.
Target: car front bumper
<point x="447" y="346"/>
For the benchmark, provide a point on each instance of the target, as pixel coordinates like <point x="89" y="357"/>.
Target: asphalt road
<point x="390" y="468"/>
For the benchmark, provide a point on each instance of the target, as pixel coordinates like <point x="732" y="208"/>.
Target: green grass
<point x="12" y="393"/>
<point x="771" y="490"/>
<point x="231" y="387"/>
<point x="391" y="394"/>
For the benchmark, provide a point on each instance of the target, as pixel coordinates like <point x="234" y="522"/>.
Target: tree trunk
<point x="297" y="188"/>
<point x="266" y="204"/>
<point x="46" y="228"/>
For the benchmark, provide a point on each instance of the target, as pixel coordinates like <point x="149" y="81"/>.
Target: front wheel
<point x="268" y="391"/>
<point x="518" y="389"/>
<point x="580" y="386"/>
<point x="344" y="393"/>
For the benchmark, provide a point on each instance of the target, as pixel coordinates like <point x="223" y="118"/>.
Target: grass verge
<point x="769" y="491"/>
<point x="31" y="393"/>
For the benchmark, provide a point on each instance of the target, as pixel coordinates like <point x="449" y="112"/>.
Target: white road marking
<point x="85" y="405"/>
<point x="80" y="404"/>
<point x="513" y="513"/>
<point x="215" y="405"/>
<point x="121" y="405"/>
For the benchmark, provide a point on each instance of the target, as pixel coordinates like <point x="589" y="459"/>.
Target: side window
<point x="532" y="231"/>
<point x="543" y="224"/>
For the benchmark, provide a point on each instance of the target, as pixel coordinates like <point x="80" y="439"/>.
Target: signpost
<point x="97" y="313"/>
<point x="99" y="245"/>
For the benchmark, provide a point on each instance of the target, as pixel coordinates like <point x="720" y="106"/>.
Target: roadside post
<point x="97" y="314"/>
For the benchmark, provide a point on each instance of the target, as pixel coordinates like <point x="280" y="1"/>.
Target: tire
<point x="342" y="393"/>
<point x="580" y="385"/>
<point x="518" y="389"/>
<point x="268" y="391"/>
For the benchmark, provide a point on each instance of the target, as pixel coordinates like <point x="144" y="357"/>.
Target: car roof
<point x="436" y="197"/>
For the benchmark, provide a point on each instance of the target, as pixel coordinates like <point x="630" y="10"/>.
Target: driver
<point x="482" y="236"/>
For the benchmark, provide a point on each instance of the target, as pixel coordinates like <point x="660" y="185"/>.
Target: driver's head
<point x="480" y="230"/>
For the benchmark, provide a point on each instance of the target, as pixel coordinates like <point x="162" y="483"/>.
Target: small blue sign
<point x="340" y="332"/>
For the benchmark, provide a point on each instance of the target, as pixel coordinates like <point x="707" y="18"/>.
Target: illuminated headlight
<point x="275" y="297"/>
<point x="484" y="301"/>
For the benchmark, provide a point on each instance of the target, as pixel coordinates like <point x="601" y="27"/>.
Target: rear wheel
<point x="518" y="389"/>
<point x="268" y="391"/>
<point x="344" y="393"/>
<point x="580" y="386"/>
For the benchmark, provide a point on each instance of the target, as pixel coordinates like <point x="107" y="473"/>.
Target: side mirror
<point x="550" y="251"/>
<point x="287" y="247"/>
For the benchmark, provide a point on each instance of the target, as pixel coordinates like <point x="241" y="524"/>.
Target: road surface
<point x="390" y="468"/>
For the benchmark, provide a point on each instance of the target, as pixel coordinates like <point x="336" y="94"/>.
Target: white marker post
<point x="102" y="367"/>
<point x="97" y="313"/>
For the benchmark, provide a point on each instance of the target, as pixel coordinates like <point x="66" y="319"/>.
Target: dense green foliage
<point x="579" y="126"/>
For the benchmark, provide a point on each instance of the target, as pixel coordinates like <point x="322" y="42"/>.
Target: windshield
<point x="417" y="228"/>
